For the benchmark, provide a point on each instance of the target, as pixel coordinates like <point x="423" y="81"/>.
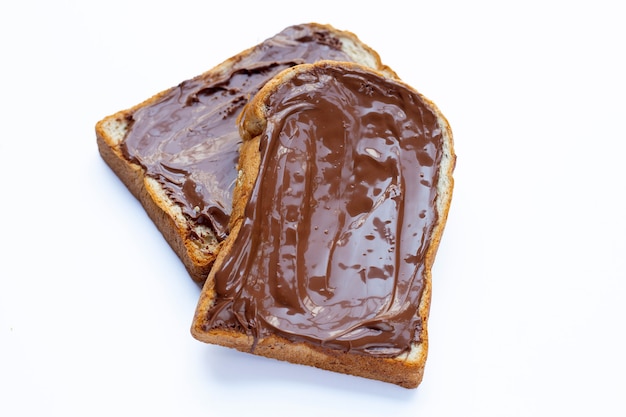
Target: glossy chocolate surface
<point x="337" y="226"/>
<point x="188" y="138"/>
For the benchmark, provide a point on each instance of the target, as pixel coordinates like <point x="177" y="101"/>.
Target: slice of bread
<point x="345" y="181"/>
<point x="177" y="151"/>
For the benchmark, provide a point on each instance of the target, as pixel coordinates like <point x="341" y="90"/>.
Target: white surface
<point x="528" y="308"/>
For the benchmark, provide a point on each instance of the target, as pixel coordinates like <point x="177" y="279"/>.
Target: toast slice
<point x="345" y="181"/>
<point x="177" y="151"/>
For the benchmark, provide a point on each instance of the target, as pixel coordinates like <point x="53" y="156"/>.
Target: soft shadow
<point x="239" y="369"/>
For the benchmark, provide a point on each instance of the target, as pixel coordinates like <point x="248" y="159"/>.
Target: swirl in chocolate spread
<point x="332" y="246"/>
<point x="188" y="138"/>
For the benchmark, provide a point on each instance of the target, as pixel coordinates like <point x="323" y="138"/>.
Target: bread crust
<point x="195" y="245"/>
<point x="405" y="370"/>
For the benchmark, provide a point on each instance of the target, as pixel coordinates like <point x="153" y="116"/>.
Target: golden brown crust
<point x="397" y="371"/>
<point x="197" y="254"/>
<point x="407" y="369"/>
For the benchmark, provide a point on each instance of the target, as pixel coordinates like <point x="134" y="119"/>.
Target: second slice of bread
<point x="196" y="229"/>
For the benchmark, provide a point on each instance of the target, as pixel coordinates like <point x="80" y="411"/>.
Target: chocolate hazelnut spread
<point x="188" y="139"/>
<point x="332" y="246"/>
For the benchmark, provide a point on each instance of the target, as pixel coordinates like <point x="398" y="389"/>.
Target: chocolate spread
<point x="188" y="139"/>
<point x="332" y="247"/>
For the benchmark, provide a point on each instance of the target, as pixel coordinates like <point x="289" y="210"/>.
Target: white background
<point x="528" y="311"/>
